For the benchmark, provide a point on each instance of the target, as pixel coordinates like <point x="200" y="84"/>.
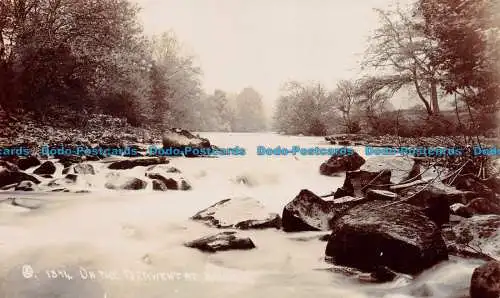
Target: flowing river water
<point x="124" y="244"/>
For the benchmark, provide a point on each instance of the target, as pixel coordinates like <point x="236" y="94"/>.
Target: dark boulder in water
<point x="221" y="242"/>
<point x="341" y="163"/>
<point x="8" y="177"/>
<point x="177" y="138"/>
<point x="117" y="181"/>
<point x="159" y="185"/>
<point x="376" y="233"/>
<point x="46" y="168"/>
<point x="485" y="281"/>
<point x="240" y="213"/>
<point x="25" y="163"/>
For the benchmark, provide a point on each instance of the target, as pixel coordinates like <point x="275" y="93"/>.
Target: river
<point x="124" y="244"/>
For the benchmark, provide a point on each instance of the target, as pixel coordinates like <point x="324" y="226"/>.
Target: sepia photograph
<point x="250" y="148"/>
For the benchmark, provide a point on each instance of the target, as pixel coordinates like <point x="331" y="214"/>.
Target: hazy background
<point x="261" y="43"/>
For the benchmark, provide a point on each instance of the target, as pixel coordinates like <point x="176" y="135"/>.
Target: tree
<point x="176" y="82"/>
<point x="401" y="49"/>
<point x="346" y="97"/>
<point x="250" y="115"/>
<point x="468" y="38"/>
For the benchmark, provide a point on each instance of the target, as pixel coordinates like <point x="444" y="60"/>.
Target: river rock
<point x="26" y="186"/>
<point x="84" y="169"/>
<point x="228" y="240"/>
<point x="163" y="168"/>
<point x="469" y="182"/>
<point x="485" y="281"/>
<point x="8" y="177"/>
<point x="400" y="166"/>
<point x="159" y="185"/>
<point x="477" y="236"/>
<point x="241" y="213"/>
<point x="485" y="206"/>
<point x="68" y="160"/>
<point x="137" y="162"/>
<point x="341" y="163"/>
<point x="25" y="163"/>
<point x="171" y="181"/>
<point x="308" y="212"/>
<point x="47" y="167"/>
<point x="117" y="181"/>
<point x="461" y="210"/>
<point x="181" y="138"/>
<point x="398" y="236"/>
<point x="358" y="183"/>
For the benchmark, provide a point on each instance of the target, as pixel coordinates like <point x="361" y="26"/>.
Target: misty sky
<point x="263" y="43"/>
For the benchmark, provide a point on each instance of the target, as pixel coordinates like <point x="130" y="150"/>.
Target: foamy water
<point x="130" y="243"/>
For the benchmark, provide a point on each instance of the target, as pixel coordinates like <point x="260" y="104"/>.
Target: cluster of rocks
<point x="39" y="173"/>
<point x="390" y="216"/>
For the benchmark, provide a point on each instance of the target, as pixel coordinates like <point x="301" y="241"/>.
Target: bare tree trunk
<point x="434" y="98"/>
<point x="421" y="96"/>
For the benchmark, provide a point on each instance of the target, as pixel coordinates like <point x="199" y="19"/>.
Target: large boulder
<point x="485" y="281"/>
<point x="375" y="234"/>
<point x="8" y="177"/>
<point x="241" y="213"/>
<point x="137" y="162"/>
<point x="308" y="212"/>
<point x="341" y="163"/>
<point x="228" y="240"/>
<point x="84" y="168"/>
<point x="47" y="168"/>
<point x="401" y="167"/>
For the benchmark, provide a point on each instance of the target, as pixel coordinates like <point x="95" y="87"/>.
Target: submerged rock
<point x="26" y="186"/>
<point x="221" y="242"/>
<point x="137" y="162"/>
<point x="47" y="167"/>
<point x="375" y="234"/>
<point x="241" y="213"/>
<point x="485" y="281"/>
<point x="341" y="163"/>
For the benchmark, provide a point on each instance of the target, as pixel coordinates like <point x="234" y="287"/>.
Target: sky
<point x="264" y="43"/>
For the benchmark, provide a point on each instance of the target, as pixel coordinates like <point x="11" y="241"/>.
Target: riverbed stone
<point x="485" y="281"/>
<point x="398" y="236"/>
<point x="228" y="240"/>
<point x="241" y="213"/>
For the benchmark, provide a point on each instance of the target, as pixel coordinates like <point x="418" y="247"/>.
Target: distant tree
<point x="250" y="115"/>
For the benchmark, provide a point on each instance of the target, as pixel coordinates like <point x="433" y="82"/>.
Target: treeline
<point x="442" y="50"/>
<point x="63" y="60"/>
